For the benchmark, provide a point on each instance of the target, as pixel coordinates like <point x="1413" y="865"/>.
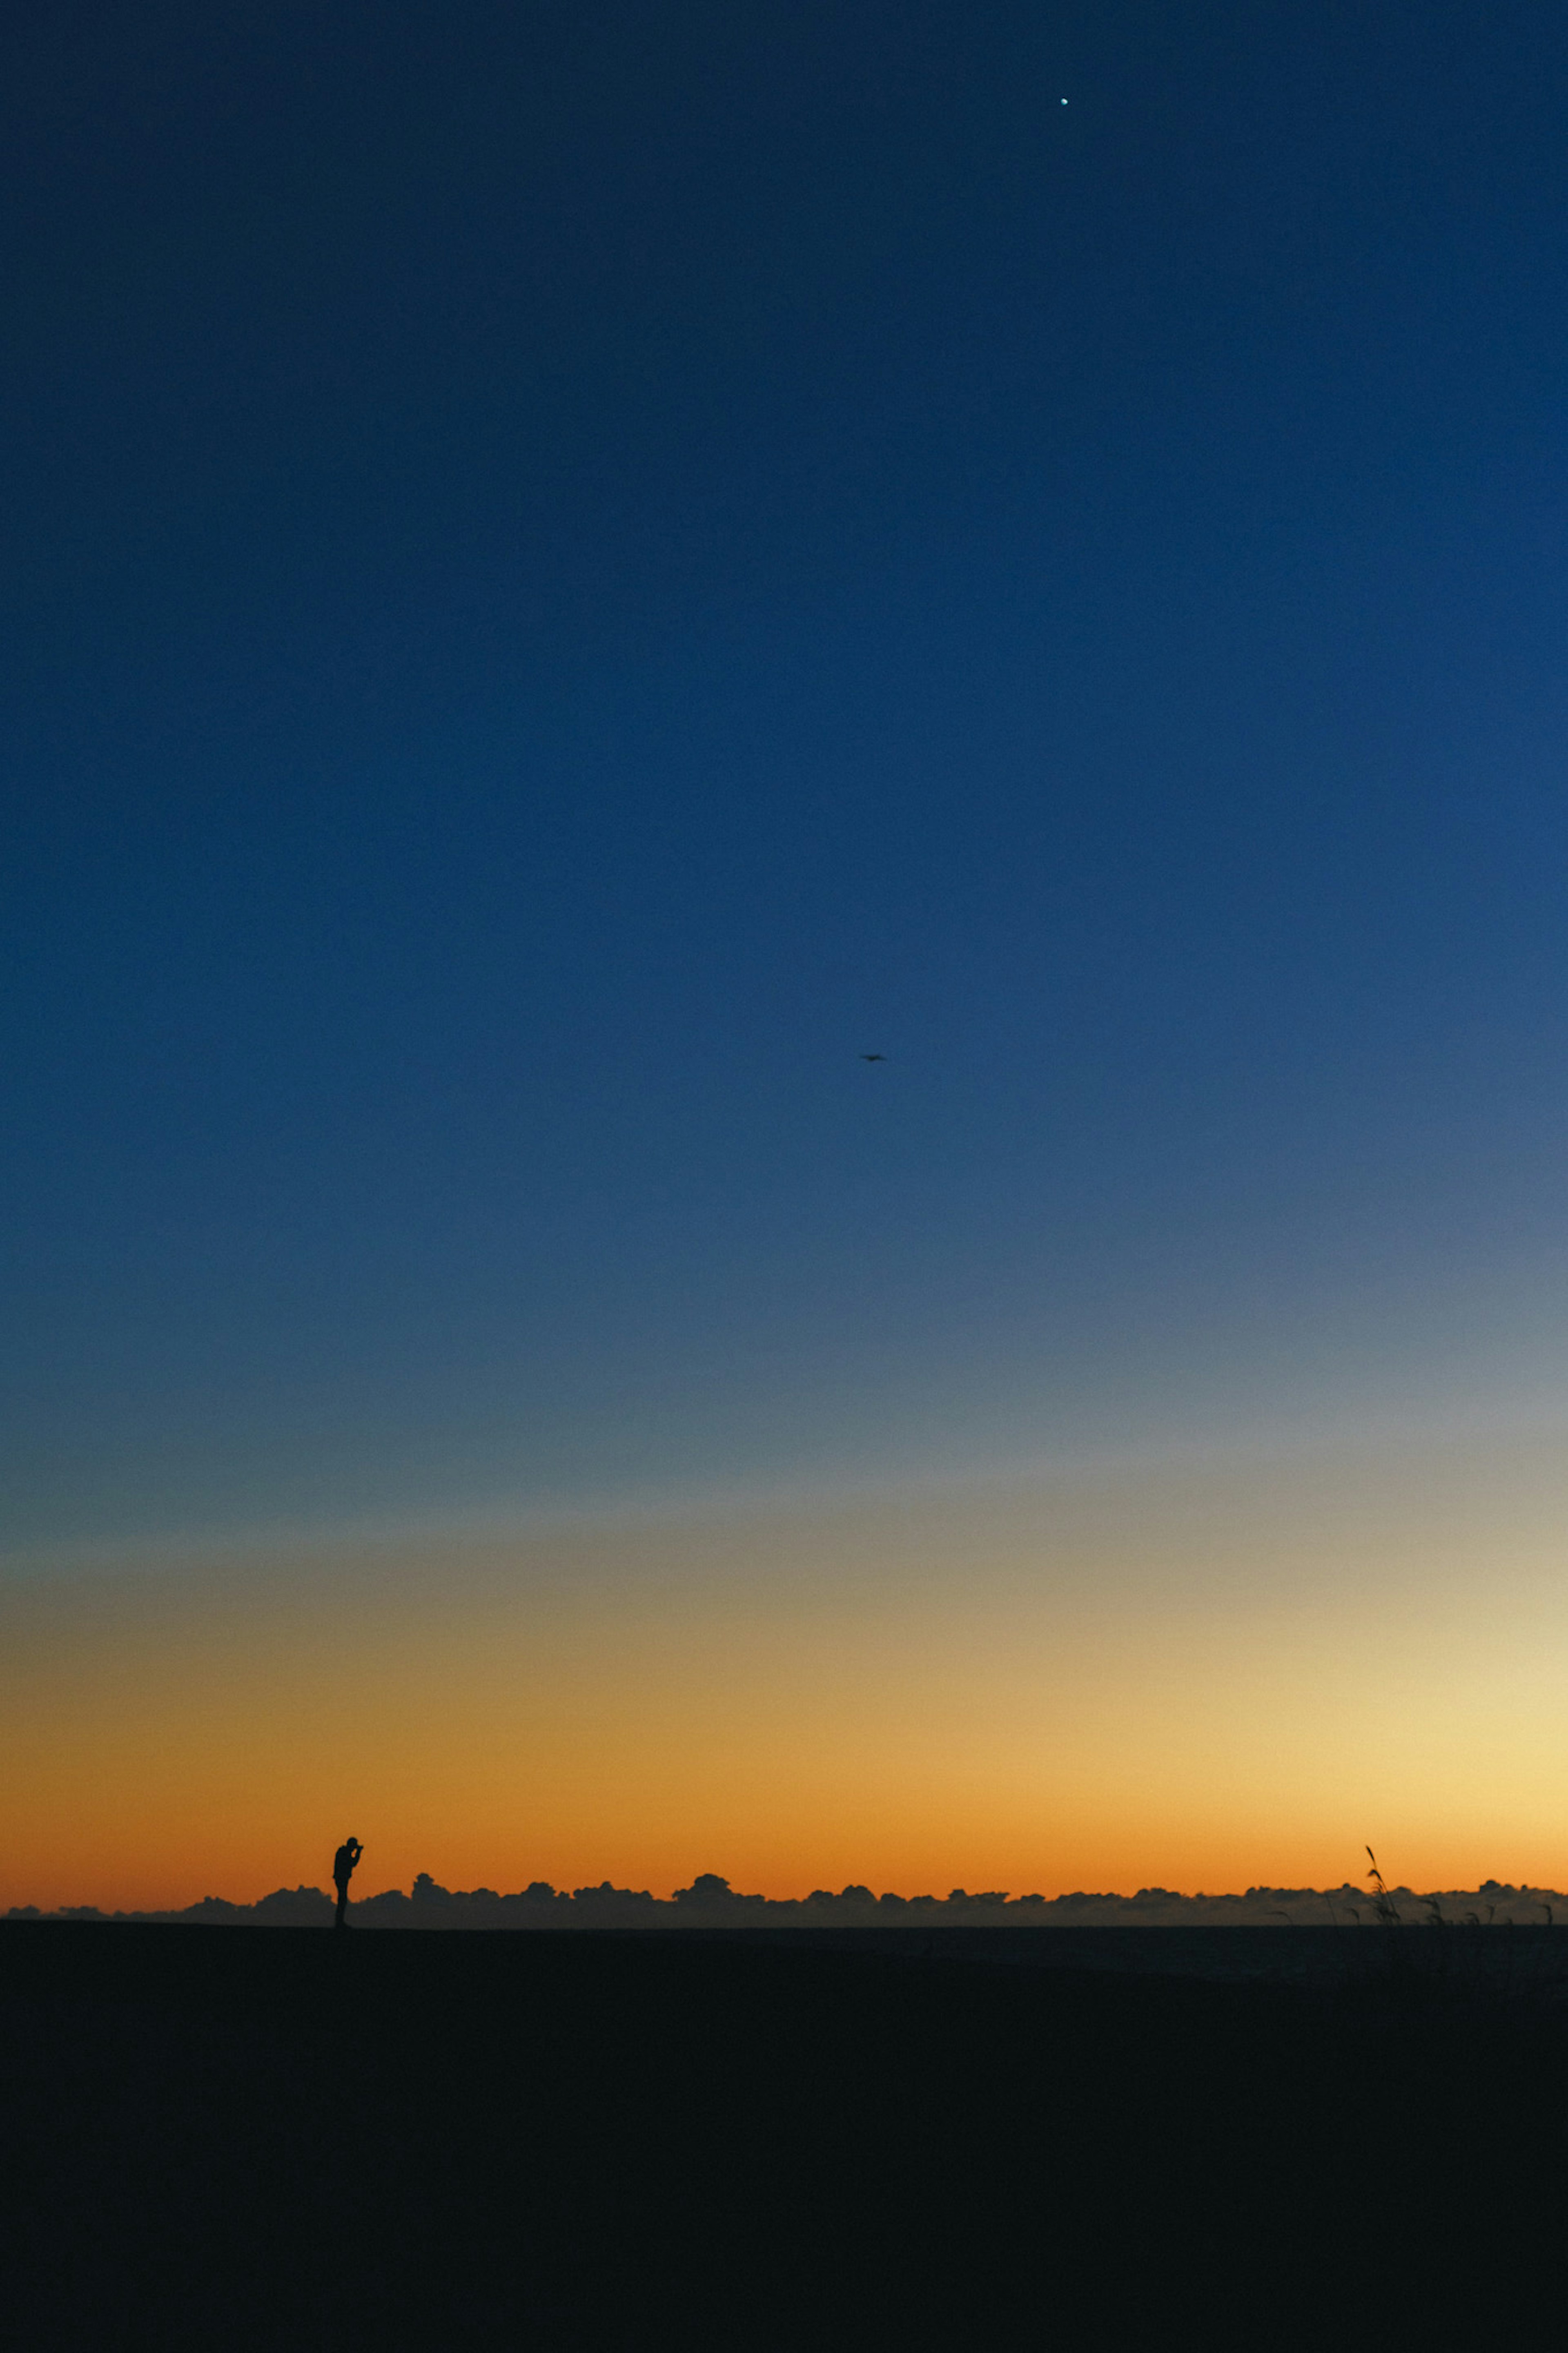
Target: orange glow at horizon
<point x="1198" y="1678"/>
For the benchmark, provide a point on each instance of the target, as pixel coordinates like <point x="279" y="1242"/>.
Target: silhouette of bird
<point x="873" y="1058"/>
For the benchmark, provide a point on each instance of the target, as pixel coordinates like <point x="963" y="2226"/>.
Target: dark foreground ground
<point x="289" y="2138"/>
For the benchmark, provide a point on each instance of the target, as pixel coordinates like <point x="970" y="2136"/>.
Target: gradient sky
<point x="573" y="568"/>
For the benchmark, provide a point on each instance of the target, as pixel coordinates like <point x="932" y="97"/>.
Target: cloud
<point x="710" y="1902"/>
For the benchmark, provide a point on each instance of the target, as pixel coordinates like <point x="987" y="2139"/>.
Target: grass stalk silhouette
<point x="1456" y="1964"/>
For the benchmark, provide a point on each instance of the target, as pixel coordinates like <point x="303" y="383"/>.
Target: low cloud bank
<point x="711" y="1903"/>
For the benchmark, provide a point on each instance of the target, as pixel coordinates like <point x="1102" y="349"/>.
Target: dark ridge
<point x="325" y="2141"/>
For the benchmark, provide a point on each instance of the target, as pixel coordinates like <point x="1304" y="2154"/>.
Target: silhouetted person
<point x="344" y="1862"/>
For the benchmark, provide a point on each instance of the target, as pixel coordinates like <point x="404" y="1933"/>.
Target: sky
<point x="573" y="571"/>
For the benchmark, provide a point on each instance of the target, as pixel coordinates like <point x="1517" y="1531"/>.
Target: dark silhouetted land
<point x="560" y="2140"/>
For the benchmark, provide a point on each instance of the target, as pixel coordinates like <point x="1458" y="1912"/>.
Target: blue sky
<point x="572" y="570"/>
